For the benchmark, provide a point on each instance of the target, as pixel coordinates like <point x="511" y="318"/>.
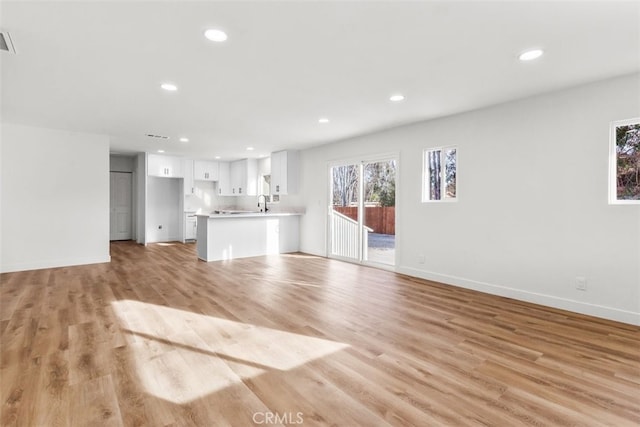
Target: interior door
<point x="120" y="216"/>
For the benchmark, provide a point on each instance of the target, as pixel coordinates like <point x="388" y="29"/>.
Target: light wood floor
<point x="158" y="338"/>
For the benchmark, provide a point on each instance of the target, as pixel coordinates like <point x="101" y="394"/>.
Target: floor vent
<point x="6" y="44"/>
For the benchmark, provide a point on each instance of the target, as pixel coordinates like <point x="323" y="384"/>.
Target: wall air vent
<point x="6" y="44"/>
<point x="150" y="135"/>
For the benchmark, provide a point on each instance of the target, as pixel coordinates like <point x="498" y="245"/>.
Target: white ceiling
<point x="97" y="66"/>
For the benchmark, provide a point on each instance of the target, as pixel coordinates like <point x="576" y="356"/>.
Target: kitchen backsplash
<point x="205" y="199"/>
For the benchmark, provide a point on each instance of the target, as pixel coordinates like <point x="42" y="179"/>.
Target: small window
<point x="624" y="185"/>
<point x="440" y="169"/>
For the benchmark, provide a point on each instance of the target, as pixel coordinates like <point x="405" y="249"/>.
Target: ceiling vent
<point x="6" y="44"/>
<point x="150" y="135"/>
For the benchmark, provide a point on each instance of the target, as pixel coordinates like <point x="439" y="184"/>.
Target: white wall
<point x="140" y="163"/>
<point x="163" y="209"/>
<point x="55" y="198"/>
<point x="532" y="211"/>
<point x="121" y="163"/>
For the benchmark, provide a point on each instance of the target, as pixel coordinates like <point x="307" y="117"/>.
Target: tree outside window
<point x="440" y="170"/>
<point x="625" y="161"/>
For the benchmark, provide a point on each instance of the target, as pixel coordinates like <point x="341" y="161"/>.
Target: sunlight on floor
<point x="181" y="356"/>
<point x="298" y="255"/>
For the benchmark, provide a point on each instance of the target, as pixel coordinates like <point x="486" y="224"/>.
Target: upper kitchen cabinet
<point x="244" y="177"/>
<point x="224" y="179"/>
<point x="165" y="166"/>
<point x="284" y="172"/>
<point x="189" y="185"/>
<point x="205" y="170"/>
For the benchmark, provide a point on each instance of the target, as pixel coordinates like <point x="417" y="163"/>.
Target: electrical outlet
<point x="581" y="283"/>
<point x="421" y="259"/>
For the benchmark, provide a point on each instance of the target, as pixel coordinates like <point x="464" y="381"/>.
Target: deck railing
<point x="344" y="236"/>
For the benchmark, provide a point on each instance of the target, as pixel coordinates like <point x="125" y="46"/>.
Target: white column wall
<point x="55" y="198"/>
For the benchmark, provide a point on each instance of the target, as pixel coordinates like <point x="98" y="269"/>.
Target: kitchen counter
<point x="246" y="214"/>
<point x="241" y="234"/>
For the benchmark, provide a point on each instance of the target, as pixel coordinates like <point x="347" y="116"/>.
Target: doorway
<point x="121" y="202"/>
<point x="362" y="212"/>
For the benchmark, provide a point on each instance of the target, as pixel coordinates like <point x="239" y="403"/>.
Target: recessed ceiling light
<point x="396" y="98"/>
<point x="323" y="120"/>
<point x="217" y="157"/>
<point x="184" y="139"/>
<point x="530" y="55"/>
<point x="249" y="148"/>
<point x="168" y="86"/>
<point x="215" y="35"/>
<point x="160" y="151"/>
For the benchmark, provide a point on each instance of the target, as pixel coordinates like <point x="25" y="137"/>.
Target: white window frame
<point x="426" y="184"/>
<point x="613" y="163"/>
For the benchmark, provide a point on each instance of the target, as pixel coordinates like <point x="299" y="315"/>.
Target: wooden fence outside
<point x="382" y="219"/>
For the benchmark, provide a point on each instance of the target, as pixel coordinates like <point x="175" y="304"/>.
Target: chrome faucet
<point x="265" y="202"/>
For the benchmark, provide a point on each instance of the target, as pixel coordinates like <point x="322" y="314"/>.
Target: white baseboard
<point x="604" y="312"/>
<point x="53" y="263"/>
<point x="167" y="240"/>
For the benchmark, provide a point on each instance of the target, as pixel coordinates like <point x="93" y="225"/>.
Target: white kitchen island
<point x="239" y="235"/>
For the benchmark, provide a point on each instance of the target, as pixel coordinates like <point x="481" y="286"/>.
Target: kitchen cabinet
<point x="165" y="166"/>
<point x="190" y="226"/>
<point x="224" y="179"/>
<point x="244" y="177"/>
<point x="284" y="172"/>
<point x="188" y="178"/>
<point x="206" y="170"/>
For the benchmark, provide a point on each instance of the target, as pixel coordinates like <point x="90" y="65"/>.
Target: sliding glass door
<point x="345" y="212"/>
<point x="379" y="205"/>
<point x="362" y="212"/>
